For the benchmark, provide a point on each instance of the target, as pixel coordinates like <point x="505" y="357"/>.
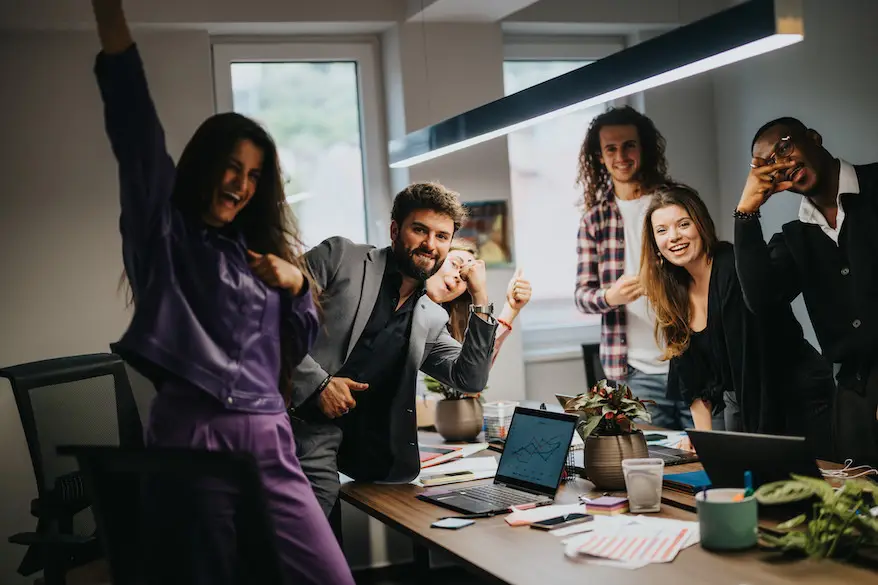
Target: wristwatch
<point x="482" y="309"/>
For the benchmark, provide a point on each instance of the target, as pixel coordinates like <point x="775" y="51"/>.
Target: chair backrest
<point x="594" y="371"/>
<point x="85" y="400"/>
<point x="118" y="479"/>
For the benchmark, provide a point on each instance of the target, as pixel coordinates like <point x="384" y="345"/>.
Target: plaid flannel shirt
<point x="601" y="250"/>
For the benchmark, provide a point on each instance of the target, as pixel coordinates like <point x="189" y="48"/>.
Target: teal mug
<point x="724" y="523"/>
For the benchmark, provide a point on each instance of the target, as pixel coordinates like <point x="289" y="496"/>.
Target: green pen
<point x="748" y="484"/>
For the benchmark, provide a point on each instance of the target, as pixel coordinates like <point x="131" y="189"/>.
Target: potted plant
<point x="841" y="523"/>
<point x="458" y="414"/>
<point x="607" y="427"/>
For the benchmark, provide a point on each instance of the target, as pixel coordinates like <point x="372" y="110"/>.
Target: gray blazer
<point x="350" y="276"/>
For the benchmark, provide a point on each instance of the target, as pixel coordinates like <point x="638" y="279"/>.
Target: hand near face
<point x="336" y="399"/>
<point x="763" y="181"/>
<point x="475" y="276"/>
<point x="625" y="290"/>
<point x="518" y="292"/>
<point x="276" y="272"/>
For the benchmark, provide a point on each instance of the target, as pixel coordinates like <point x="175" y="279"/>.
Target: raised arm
<point x="766" y="271"/>
<point x="466" y="366"/>
<point x="146" y="172"/>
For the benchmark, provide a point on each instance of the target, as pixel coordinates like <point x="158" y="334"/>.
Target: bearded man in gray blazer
<point x="353" y="400"/>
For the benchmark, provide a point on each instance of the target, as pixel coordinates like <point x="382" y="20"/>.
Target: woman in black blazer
<point x="759" y="371"/>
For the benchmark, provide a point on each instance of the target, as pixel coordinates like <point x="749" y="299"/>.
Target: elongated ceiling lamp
<point x="742" y="31"/>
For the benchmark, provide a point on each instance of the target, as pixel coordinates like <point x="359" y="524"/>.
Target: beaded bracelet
<point x="746" y="216"/>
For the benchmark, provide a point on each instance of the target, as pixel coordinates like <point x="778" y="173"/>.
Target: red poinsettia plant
<point x="608" y="410"/>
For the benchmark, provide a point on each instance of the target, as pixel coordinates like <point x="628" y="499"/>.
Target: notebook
<point x="529" y="470"/>
<point x="689" y="483"/>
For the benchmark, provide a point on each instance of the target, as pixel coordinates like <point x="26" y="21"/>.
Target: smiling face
<point x="238" y="185"/>
<point x="676" y="235"/>
<point x="804" y="147"/>
<point x="446" y="285"/>
<point x="621" y="152"/>
<point x="421" y="243"/>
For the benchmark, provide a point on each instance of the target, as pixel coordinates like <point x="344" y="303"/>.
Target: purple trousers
<point x="309" y="552"/>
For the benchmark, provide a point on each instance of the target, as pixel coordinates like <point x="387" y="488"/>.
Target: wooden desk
<point x="522" y="556"/>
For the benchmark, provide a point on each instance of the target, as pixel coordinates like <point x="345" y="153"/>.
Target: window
<point x="543" y="162"/>
<point x="320" y="104"/>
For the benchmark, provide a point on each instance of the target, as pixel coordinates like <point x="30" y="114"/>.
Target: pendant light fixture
<point x="740" y="32"/>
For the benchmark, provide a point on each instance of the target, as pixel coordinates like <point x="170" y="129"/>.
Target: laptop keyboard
<point x="501" y="496"/>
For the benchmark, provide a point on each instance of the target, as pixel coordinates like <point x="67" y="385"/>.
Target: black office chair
<point x="141" y="550"/>
<point x="84" y="399"/>
<point x="594" y="371"/>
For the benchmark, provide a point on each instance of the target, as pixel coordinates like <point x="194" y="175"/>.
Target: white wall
<point x="828" y="81"/>
<point x="60" y="250"/>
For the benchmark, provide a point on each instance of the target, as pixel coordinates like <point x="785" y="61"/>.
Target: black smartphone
<point x="654" y="437"/>
<point x="562" y="521"/>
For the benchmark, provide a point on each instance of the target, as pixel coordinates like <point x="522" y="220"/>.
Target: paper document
<point x="480" y="467"/>
<point x="632" y="542"/>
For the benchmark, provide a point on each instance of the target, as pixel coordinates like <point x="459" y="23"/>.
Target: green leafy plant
<point x="447" y="392"/>
<point x="841" y="523"/>
<point x="608" y="410"/>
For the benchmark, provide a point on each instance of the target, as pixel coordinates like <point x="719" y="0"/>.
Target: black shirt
<point x="839" y="283"/>
<point x="779" y="379"/>
<point x="377" y="359"/>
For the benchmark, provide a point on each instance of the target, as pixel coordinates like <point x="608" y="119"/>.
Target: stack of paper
<point x="477" y="468"/>
<point x="632" y="542"/>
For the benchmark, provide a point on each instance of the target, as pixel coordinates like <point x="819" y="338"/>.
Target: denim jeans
<point x="667" y="414"/>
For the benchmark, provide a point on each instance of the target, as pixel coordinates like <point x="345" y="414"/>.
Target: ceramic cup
<point x="726" y="524"/>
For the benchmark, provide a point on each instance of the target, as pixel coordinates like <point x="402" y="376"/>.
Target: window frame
<point x="372" y="124"/>
<point x="545" y="338"/>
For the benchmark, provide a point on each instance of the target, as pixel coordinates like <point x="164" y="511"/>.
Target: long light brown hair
<point x="458" y="309"/>
<point x="667" y="285"/>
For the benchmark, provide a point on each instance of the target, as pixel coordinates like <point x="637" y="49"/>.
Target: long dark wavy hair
<point x="266" y="223"/>
<point x="593" y="177"/>
<point x="458" y="308"/>
<point x="667" y="285"/>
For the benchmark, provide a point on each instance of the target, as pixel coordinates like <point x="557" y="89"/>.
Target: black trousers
<point x="855" y="416"/>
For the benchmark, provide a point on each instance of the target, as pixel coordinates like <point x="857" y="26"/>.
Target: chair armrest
<point x="52" y="539"/>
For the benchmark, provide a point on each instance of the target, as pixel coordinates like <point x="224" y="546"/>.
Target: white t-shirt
<point x="643" y="352"/>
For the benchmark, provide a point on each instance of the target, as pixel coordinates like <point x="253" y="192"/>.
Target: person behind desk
<point x="353" y="401"/>
<point x="621" y="162"/>
<point x="829" y="254"/>
<point x="215" y="284"/>
<point x="759" y="371"/>
<point x="449" y="288"/>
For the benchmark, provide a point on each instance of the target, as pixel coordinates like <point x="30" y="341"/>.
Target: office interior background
<point x="337" y="80"/>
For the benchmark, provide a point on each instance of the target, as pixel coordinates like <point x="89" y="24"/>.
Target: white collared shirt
<point x="847" y="183"/>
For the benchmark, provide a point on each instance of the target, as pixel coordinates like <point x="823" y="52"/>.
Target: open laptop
<point x="670" y="455"/>
<point x="529" y="470"/>
<point x="726" y="455"/>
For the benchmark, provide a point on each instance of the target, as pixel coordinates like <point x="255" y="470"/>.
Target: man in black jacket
<point x="829" y="255"/>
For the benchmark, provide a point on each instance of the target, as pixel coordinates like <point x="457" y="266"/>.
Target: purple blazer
<point x="200" y="313"/>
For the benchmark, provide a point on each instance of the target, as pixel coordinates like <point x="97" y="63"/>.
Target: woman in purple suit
<point x="217" y="291"/>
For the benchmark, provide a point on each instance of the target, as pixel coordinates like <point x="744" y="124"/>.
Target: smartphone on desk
<point x="562" y="521"/>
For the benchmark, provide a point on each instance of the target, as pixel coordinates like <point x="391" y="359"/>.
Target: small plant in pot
<point x="607" y="427"/>
<point x="840" y="525"/>
<point x="458" y="414"/>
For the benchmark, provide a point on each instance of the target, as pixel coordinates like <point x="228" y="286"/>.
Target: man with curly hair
<point x="353" y="399"/>
<point x="621" y="162"/>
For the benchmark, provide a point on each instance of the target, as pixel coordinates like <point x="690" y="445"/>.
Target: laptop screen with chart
<point x="536" y="450"/>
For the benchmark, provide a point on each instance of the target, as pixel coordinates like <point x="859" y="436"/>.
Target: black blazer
<point x="779" y="379"/>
